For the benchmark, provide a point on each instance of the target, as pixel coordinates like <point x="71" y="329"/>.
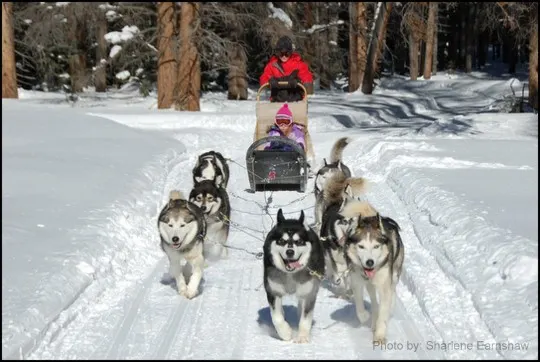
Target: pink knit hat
<point x="284" y="113"/>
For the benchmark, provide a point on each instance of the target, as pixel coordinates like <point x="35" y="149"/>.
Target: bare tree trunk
<point x="376" y="45"/>
<point x="470" y="38"/>
<point x="9" y="72"/>
<point x="100" y="76"/>
<point x="353" y="45"/>
<point x="435" y="58"/>
<point x="533" y="67"/>
<point x="413" y="56"/>
<point x="309" y="52"/>
<point x="361" y="40"/>
<point x="167" y="67"/>
<point x="430" y="39"/>
<point x="358" y="44"/>
<point x="188" y="84"/>
<point x="463" y="35"/>
<point x="77" y="59"/>
<point x="321" y="40"/>
<point x="381" y="37"/>
<point x="238" y="85"/>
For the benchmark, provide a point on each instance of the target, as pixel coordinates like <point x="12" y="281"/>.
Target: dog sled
<point x="278" y="170"/>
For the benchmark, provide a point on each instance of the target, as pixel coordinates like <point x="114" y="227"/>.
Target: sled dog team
<point x="351" y="242"/>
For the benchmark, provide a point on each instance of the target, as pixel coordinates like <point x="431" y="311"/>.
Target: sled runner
<point x="276" y="170"/>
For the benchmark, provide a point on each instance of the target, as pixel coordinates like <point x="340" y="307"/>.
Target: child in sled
<point x="285" y="127"/>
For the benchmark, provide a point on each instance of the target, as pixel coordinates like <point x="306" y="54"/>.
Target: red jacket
<point x="276" y="69"/>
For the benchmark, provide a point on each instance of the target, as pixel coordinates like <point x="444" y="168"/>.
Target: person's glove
<point x="273" y="83"/>
<point x="293" y="83"/>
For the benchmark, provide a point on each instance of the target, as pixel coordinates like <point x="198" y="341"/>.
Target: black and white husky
<point x="214" y="203"/>
<point x="182" y="229"/>
<point x="336" y="165"/>
<point x="293" y="265"/>
<point x="374" y="252"/>
<point x="212" y="166"/>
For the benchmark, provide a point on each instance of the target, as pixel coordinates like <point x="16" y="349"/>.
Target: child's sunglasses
<point x="283" y="122"/>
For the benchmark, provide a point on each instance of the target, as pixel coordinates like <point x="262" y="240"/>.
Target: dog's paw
<point x="379" y="339"/>
<point x="363" y="316"/>
<point x="301" y="339"/>
<point x="284" y="331"/>
<point x="182" y="290"/>
<point x="191" y="293"/>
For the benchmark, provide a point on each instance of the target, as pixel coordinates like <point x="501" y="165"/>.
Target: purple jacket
<point x="296" y="134"/>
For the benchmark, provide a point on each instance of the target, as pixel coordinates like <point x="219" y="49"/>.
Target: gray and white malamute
<point x="336" y="165"/>
<point x="214" y="203"/>
<point x="293" y="265"/>
<point x="374" y="252"/>
<point x="212" y="166"/>
<point x="182" y="229"/>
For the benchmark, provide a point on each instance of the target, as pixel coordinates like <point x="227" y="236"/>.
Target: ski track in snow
<point x="133" y="313"/>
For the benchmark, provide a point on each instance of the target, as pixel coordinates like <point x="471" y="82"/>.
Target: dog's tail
<point x="356" y="208"/>
<point x="339" y="186"/>
<point x="357" y="185"/>
<point x="176" y="195"/>
<point x="337" y="150"/>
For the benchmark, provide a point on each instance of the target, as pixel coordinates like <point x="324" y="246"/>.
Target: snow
<point x="83" y="276"/>
<point x="279" y="14"/>
<point x="115" y="50"/>
<point x="123" y="75"/>
<point x="320" y="27"/>
<point x="127" y="33"/>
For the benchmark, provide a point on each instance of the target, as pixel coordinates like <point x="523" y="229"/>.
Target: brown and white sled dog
<point x="374" y="252"/>
<point x="336" y="165"/>
<point x="214" y="203"/>
<point x="182" y="229"/>
<point x="334" y="227"/>
<point x="337" y="186"/>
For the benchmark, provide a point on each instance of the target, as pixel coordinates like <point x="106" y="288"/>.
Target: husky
<point x="336" y="165"/>
<point x="374" y="253"/>
<point x="214" y="203"/>
<point x="211" y="165"/>
<point x="182" y="229"/>
<point x="293" y="265"/>
<point x="334" y="227"/>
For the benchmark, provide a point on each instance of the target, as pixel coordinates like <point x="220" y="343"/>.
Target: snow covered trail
<point x="140" y="315"/>
<point x="133" y="312"/>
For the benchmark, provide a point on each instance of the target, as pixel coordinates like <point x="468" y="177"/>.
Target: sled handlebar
<point x="281" y="82"/>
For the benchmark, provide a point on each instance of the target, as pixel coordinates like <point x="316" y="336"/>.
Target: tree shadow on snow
<point x="291" y="316"/>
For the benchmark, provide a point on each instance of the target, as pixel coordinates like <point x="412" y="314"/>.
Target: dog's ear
<point x="280" y="218"/>
<point x="301" y="219"/>
<point x="218" y="181"/>
<point x="326" y="164"/>
<point x="349" y="191"/>
<point x="380" y="222"/>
